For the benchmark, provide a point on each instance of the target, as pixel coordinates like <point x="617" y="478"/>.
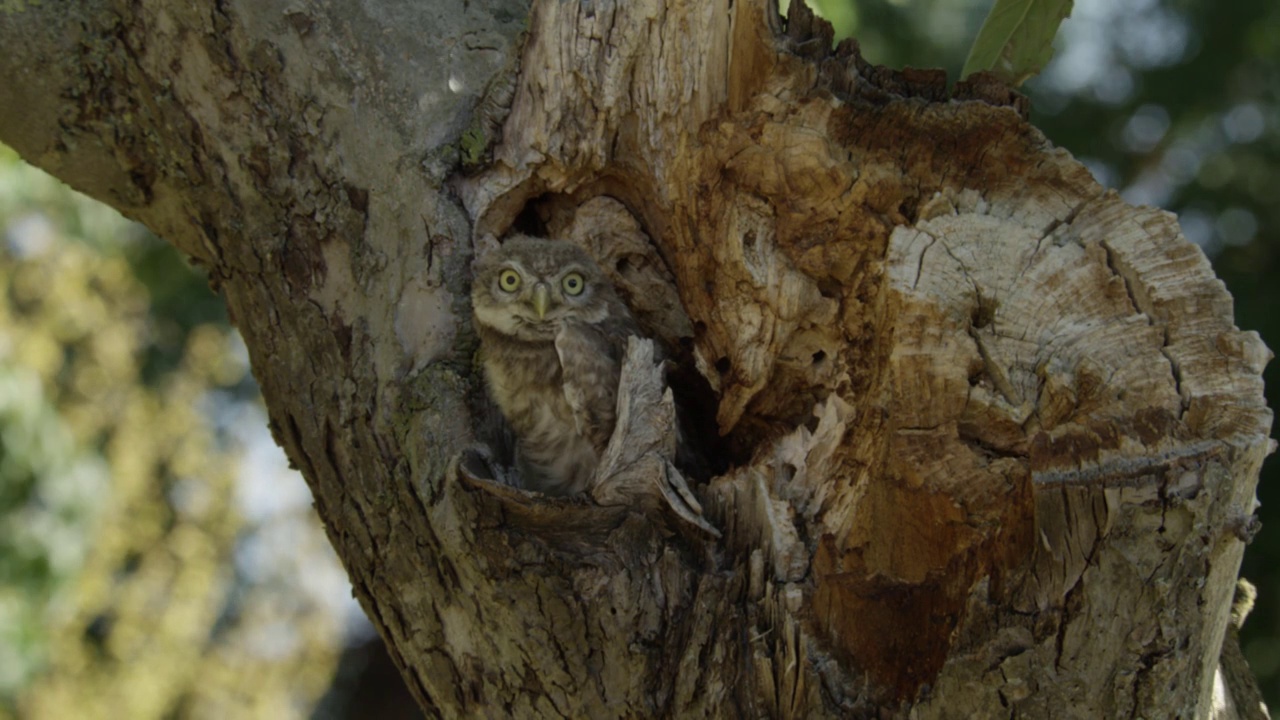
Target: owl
<point x="552" y="335"/>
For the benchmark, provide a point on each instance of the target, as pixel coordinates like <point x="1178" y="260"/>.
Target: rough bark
<point x="987" y="439"/>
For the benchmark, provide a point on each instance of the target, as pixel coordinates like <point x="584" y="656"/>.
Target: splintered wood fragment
<point x="763" y="503"/>
<point x="637" y="464"/>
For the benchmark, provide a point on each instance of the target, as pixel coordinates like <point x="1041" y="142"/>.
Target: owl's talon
<point x="683" y="503"/>
<point x="478" y="465"/>
<point x="676" y="480"/>
<point x="474" y="464"/>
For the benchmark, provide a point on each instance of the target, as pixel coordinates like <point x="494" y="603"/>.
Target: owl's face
<point x="529" y="286"/>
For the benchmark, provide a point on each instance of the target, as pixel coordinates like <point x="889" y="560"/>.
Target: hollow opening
<point x="830" y="288"/>
<point x="529" y="221"/>
<point x="706" y="454"/>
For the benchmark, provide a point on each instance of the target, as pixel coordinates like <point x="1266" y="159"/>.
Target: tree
<point x="988" y="437"/>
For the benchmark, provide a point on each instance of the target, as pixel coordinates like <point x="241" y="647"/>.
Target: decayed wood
<point x="984" y="437"/>
<point x="999" y="356"/>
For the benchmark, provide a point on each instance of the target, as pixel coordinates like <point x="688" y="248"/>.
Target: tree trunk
<point x="985" y="438"/>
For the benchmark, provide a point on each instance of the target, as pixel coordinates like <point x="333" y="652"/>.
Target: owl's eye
<point x="509" y="280"/>
<point x="573" y="283"/>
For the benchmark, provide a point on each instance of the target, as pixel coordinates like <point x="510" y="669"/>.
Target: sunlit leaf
<point x="1016" y="39"/>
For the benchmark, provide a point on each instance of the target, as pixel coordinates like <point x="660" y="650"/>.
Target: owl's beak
<point x="541" y="300"/>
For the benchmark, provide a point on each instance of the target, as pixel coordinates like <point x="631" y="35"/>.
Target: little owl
<point x="552" y="333"/>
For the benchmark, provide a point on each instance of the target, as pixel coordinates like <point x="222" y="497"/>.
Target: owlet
<point x="552" y="333"/>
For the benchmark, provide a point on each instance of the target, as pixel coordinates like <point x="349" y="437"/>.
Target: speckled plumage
<point x="553" y="374"/>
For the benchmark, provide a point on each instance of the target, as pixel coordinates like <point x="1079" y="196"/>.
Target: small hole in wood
<point x="699" y="329"/>
<point x="829" y="287"/>
<point x="723" y="365"/>
<point x="984" y="311"/>
<point x="786" y="473"/>
<point x="819" y="356"/>
<point x="624" y="266"/>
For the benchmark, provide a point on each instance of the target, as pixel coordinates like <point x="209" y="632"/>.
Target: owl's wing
<point x="591" y="360"/>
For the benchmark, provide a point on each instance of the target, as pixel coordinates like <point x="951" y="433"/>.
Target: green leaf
<point x="1016" y="39"/>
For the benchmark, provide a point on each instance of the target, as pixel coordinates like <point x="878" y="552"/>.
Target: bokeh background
<point x="158" y="559"/>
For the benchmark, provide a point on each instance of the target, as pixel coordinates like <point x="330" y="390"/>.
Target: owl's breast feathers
<point x="590" y="361"/>
<point x="560" y="397"/>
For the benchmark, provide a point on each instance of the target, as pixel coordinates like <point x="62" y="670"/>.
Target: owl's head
<point x="529" y="286"/>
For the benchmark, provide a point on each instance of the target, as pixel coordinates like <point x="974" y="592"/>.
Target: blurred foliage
<point x="908" y="33"/>
<point x="48" y="493"/>
<point x="119" y="528"/>
<point x="1174" y="103"/>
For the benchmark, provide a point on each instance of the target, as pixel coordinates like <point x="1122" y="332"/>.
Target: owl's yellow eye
<point x="573" y="283"/>
<point x="509" y="280"/>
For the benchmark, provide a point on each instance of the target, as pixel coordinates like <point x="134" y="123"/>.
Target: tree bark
<point x="985" y="438"/>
